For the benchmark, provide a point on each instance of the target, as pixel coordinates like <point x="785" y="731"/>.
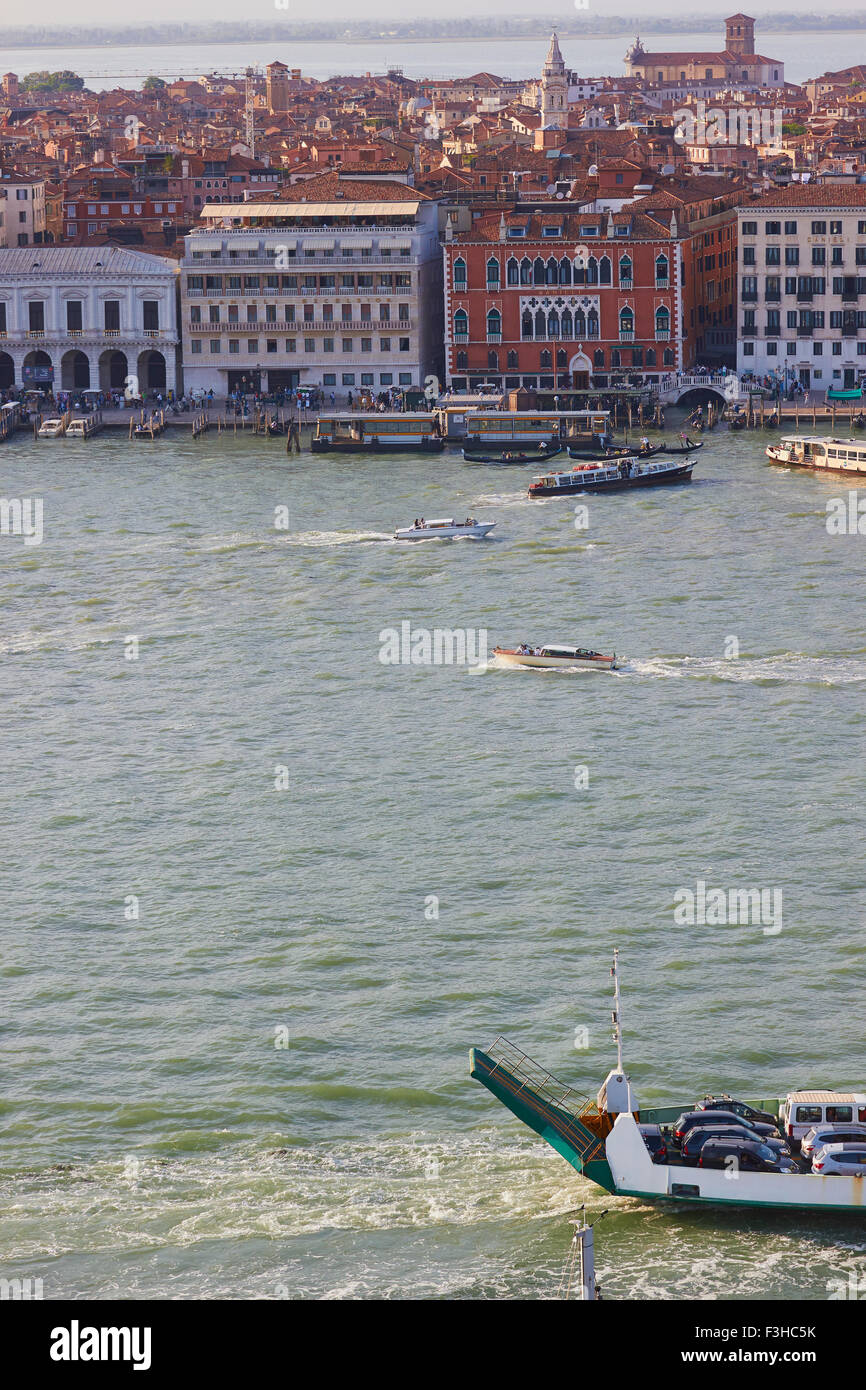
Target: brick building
<point x="566" y="296"/>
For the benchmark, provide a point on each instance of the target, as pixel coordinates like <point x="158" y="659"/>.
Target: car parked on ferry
<point x="842" y="1159"/>
<point x="696" y="1138"/>
<point x="821" y="1135"/>
<point x="750" y="1155"/>
<point x="739" y="1107"/>
<point x="655" y="1141"/>
<point x="691" y="1118"/>
<point x="802" y="1110"/>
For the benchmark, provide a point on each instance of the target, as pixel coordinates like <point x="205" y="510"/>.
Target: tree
<point x="153" y="84"/>
<point x="64" y="81"/>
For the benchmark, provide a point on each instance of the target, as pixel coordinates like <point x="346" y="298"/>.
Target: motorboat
<point x="612" y="475"/>
<point x="51" y="429"/>
<point x="445" y="529"/>
<point x="558" y="657"/>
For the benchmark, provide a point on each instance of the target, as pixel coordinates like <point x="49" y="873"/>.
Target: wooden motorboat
<point x="445" y="529"/>
<point x="556" y="657"/>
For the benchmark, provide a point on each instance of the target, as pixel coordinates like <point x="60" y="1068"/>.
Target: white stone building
<point x="337" y="284"/>
<point x="802" y="285"/>
<point x="77" y="317"/>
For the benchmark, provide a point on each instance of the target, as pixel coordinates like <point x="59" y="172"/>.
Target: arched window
<point x="661" y="271"/>
<point x="615" y="357"/>
<point x="591" y="324"/>
<point x="513" y="359"/>
<point x="663" y="322"/>
<point x="526" y="271"/>
<point x="493" y="274"/>
<point x="461" y="326"/>
<point x="526" y="324"/>
<point x="462" y="361"/>
<point x="546" y="359"/>
<point x="561" y="358"/>
<point x="668" y="359"/>
<point x="540" y="324"/>
<point x="592" y="271"/>
<point x="650" y="357"/>
<point x="579" y="274"/>
<point x="493" y="359"/>
<point x="566" y="325"/>
<point x="512" y="272"/>
<point x="565" y="271"/>
<point x="539" y="272"/>
<point x="460" y="274"/>
<point x="598" y="357"/>
<point x="579" y="324"/>
<point x="625" y="271"/>
<point x="604" y="271"/>
<point x="626" y="323"/>
<point x="494" y="326"/>
<point x="552" y="274"/>
<point x="553" y="324"/>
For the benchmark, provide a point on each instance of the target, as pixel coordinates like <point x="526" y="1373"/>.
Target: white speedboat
<point x="558" y="657"/>
<point x="818" y="452"/>
<point x="50" y="429"/>
<point x="445" y="529"/>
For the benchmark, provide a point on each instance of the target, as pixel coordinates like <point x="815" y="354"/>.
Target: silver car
<point x="847" y="1160"/>
<point x="838" y="1133"/>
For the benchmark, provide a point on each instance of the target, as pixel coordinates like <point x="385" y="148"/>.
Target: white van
<point x="803" y="1110"/>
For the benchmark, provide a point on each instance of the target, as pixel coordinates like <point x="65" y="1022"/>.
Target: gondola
<point x="514" y="456"/>
<point x="737" y="422"/>
<point x="685" y="448"/>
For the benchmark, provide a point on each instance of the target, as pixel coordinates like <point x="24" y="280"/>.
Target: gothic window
<point x="579" y="275"/>
<point x="592" y="271"/>
<point x="663" y="322"/>
<point x="626" y="321"/>
<point x="512" y="272"/>
<point x="561" y="358"/>
<point x="540" y="323"/>
<point x="462" y="361"/>
<point x="566" y="324"/>
<point x="604" y="271"/>
<point x="553" y="324"/>
<point x="546" y="359"/>
<point x="598" y="357"/>
<point x="461" y="325"/>
<point x="650" y="357"/>
<point x="580" y="324"/>
<point x="625" y="269"/>
<point x="668" y="358"/>
<point x="526" y="271"/>
<point x="492" y="273"/>
<point x="615" y="357"/>
<point x="513" y="359"/>
<point x="565" y="272"/>
<point x="592" y="324"/>
<point x="552" y="276"/>
<point x="493" y="359"/>
<point x="526" y="325"/>
<point x="494" y="326"/>
<point x="539" y="272"/>
<point x="661" y="269"/>
<point x="460" y="274"/>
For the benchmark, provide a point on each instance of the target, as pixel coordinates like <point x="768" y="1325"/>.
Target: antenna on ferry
<point x="616" y="1015"/>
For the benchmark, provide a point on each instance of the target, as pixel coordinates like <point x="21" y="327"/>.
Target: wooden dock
<point x="797" y="416"/>
<point x="147" y="427"/>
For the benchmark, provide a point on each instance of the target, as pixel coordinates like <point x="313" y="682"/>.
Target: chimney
<point x="502" y="226"/>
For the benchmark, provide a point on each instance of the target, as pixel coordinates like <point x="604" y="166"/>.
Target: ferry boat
<point x="820" y="453"/>
<point x="606" y="1139"/>
<point x="445" y="529"/>
<point x="559" y="657"/>
<point x="491" y="431"/>
<point x="377" y="433"/>
<point x="612" y="475"/>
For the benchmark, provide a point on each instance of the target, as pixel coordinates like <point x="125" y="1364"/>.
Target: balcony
<point x="804" y="296"/>
<point x="804" y="330"/>
<point x="772" y="331"/>
<point x="460" y="286"/>
<point x="493" y="287"/>
<point x="662" y="284"/>
<point x="748" y="331"/>
<point x="773" y="297"/>
<point x="849" y="330"/>
<point x="749" y="296"/>
<point x="494" y="337"/>
<point x="626" y="284"/>
<point x="626" y="335"/>
<point x="461" y="337"/>
<point x="850" y="296"/>
<point x="663" y="335"/>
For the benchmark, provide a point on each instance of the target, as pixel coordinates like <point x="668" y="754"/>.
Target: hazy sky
<point x="110" y="12"/>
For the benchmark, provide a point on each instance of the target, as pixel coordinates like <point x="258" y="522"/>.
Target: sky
<point x="108" y="12"/>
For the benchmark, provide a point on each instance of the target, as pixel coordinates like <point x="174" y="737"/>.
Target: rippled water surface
<point x="157" y="1137"/>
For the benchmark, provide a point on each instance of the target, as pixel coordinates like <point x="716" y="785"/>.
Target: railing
<point x="626" y="284"/>
<point x="626" y="335"/>
<point x="518" y="1074"/>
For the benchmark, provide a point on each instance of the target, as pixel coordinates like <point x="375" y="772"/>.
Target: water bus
<point x="378" y="433"/>
<point x="612" y="476"/>
<point x="445" y="530"/>
<point x="631" y="1151"/>
<point x="558" y="657"/>
<point x="819" y="453"/>
<point x="494" y="431"/>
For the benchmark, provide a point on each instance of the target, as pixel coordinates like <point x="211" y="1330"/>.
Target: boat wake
<point x="328" y="539"/>
<point x="786" y="668"/>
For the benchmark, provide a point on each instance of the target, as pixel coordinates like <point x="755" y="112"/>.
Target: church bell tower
<point x="554" y="89"/>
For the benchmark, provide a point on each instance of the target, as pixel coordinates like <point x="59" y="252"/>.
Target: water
<point x="112" y="65"/>
<point x="155" y="1140"/>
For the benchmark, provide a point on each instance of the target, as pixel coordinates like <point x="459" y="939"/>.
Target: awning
<point x="320" y="244"/>
<point x="242" y="243"/>
<point x="288" y="243"/>
<point x="395" y="243"/>
<point x="204" y="243"/>
<point x="358" y="244"/>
